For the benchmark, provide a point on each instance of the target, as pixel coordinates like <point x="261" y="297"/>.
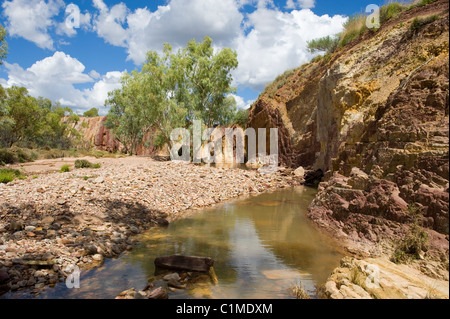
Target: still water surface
<point x="262" y="246"/>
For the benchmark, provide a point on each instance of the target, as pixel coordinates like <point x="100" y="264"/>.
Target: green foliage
<point x="74" y="119"/>
<point x="159" y="140"/>
<point x="327" y="44"/>
<point x="29" y="122"/>
<point x="241" y="118"/>
<point x="86" y="164"/>
<point x="421" y="3"/>
<point x="7" y="157"/>
<point x="391" y="10"/>
<point x="171" y="91"/>
<point x="414" y="243"/>
<point x="65" y="169"/>
<point x="3" y="45"/>
<point x="8" y="175"/>
<point x="17" y="155"/>
<point x="91" y="113"/>
<point x="354" y="27"/>
<point x="418" y="23"/>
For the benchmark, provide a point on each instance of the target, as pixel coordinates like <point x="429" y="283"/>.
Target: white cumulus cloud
<point x="32" y="19"/>
<point x="278" y="42"/>
<point x="56" y="77"/>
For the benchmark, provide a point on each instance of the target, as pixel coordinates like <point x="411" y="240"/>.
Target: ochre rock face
<point x="380" y="105"/>
<point x="95" y="135"/>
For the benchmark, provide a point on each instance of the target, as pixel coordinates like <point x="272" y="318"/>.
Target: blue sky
<point x="77" y="66"/>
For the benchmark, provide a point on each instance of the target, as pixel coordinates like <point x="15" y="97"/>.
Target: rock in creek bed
<point x="187" y="263"/>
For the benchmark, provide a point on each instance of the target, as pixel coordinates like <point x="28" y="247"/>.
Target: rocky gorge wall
<point x="375" y="118"/>
<point x="94" y="135"/>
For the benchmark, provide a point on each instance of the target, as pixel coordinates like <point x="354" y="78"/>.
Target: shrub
<point x="421" y="3"/>
<point x="414" y="243"/>
<point x="7" y="157"/>
<point x="86" y="164"/>
<point x="65" y="169"/>
<point x="241" y="118"/>
<point x="159" y="140"/>
<point x="17" y="155"/>
<point x="8" y="175"/>
<point x="418" y="23"/>
<point x="391" y="10"/>
<point x="327" y="44"/>
<point x="353" y="28"/>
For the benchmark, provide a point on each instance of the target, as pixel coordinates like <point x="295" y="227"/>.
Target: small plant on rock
<point x="299" y="292"/>
<point x="411" y="247"/>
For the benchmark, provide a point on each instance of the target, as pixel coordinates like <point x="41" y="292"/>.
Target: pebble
<point x="45" y="219"/>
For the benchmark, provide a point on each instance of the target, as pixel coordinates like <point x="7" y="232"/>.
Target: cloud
<point x="303" y="4"/>
<point x="32" y="19"/>
<point x="109" y="23"/>
<point x="94" y="74"/>
<point x="241" y="103"/>
<point x="96" y="96"/>
<point x="278" y="42"/>
<point x="176" y="23"/>
<point x="268" y="41"/>
<point x="56" y="77"/>
<point x="74" y="19"/>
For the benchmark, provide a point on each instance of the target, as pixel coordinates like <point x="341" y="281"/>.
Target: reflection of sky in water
<point x="262" y="246"/>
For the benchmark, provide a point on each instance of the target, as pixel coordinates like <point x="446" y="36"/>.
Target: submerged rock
<point x="186" y="263"/>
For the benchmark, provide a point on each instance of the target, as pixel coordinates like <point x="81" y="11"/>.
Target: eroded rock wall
<point x="374" y="117"/>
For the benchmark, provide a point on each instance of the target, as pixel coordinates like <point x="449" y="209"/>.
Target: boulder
<point x="300" y="172"/>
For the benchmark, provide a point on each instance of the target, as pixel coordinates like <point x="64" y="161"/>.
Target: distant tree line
<point x="170" y="91"/>
<point x="29" y="122"/>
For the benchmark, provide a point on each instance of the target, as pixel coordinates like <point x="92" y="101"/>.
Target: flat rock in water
<point x="187" y="263"/>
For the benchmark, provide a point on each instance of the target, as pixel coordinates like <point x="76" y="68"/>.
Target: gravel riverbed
<point x="52" y="221"/>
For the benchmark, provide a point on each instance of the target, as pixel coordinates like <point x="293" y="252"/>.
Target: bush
<point x="353" y="29"/>
<point x="327" y="44"/>
<point x="7" y="157"/>
<point x="241" y="118"/>
<point x="391" y="10"/>
<point x="17" y="155"/>
<point x="421" y="3"/>
<point x="65" y="169"/>
<point x="8" y="175"/>
<point x="86" y="164"/>
<point x="418" y="23"/>
<point x="416" y="242"/>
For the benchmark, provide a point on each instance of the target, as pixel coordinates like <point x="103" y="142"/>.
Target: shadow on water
<point x="262" y="246"/>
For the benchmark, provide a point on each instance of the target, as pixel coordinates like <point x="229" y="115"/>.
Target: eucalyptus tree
<point x="171" y="91"/>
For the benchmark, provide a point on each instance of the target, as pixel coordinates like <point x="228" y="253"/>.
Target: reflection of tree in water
<point x="258" y="244"/>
